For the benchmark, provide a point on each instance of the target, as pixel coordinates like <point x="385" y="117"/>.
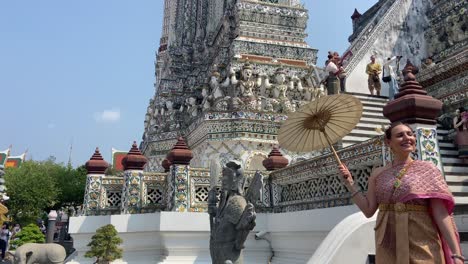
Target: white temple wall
<point x="351" y="239"/>
<point x="170" y="237"/>
<point x="400" y="33"/>
<point x="331" y="235"/>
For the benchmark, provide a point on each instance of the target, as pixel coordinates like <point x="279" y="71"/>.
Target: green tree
<point x="104" y="245"/>
<point x="71" y="183"/>
<point x="38" y="186"/>
<point x="32" y="189"/>
<point x="29" y="234"/>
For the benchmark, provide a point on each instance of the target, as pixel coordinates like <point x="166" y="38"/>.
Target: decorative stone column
<point x="64" y="226"/>
<point x="178" y="187"/>
<point x="133" y="193"/>
<point x="275" y="161"/>
<point x="52" y="218"/>
<point x="413" y="106"/>
<point x="96" y="168"/>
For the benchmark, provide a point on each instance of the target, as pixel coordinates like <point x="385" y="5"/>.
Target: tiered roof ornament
<point x="275" y="160"/>
<point x="356" y="14"/>
<point x="412" y="104"/>
<point x="96" y="164"/>
<point x="180" y="153"/>
<point x="134" y="160"/>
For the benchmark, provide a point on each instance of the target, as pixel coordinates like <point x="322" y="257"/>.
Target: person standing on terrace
<point x="414" y="223"/>
<point x="460" y="124"/>
<point x="374" y="69"/>
<point x="333" y="81"/>
<point x="390" y="73"/>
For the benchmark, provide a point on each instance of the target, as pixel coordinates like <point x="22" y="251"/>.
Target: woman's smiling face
<point x="402" y="140"/>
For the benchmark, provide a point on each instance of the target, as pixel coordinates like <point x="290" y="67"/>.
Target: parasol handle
<point x="332" y="148"/>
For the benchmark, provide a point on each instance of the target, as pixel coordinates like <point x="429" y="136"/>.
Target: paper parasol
<point x="320" y="123"/>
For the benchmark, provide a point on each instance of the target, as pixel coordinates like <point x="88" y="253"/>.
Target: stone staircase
<point x="372" y="118"/>
<point x="456" y="173"/>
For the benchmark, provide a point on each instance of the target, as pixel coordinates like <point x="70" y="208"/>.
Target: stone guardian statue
<point x="234" y="217"/>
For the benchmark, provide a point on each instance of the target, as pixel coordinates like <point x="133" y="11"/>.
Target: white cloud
<point x="107" y="116"/>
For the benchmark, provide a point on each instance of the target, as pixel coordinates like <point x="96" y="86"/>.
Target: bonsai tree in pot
<point x="29" y="234"/>
<point x="104" y="245"/>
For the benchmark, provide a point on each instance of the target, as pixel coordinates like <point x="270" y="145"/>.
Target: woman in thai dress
<point x="460" y="124"/>
<point x="414" y="224"/>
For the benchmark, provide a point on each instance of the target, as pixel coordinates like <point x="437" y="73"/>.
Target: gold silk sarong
<point x="404" y="228"/>
<point x="405" y="231"/>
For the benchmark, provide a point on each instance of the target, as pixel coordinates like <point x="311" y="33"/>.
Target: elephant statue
<point x="31" y="253"/>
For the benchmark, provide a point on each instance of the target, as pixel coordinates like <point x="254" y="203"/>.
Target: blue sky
<point x="82" y="72"/>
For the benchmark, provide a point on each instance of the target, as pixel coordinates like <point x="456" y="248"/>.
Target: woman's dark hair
<point x="388" y="131"/>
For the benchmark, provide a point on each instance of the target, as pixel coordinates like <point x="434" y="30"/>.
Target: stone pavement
<point x="9" y="257"/>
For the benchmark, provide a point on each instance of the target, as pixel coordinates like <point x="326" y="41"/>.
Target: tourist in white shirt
<point x="389" y="71"/>
<point x="333" y="82"/>
<point x="4" y="237"/>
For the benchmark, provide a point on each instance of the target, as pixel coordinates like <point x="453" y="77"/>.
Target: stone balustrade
<point x="310" y="184"/>
<point x="151" y="192"/>
<point x="316" y="183"/>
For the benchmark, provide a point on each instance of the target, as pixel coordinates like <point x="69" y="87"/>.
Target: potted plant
<point x="104" y="245"/>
